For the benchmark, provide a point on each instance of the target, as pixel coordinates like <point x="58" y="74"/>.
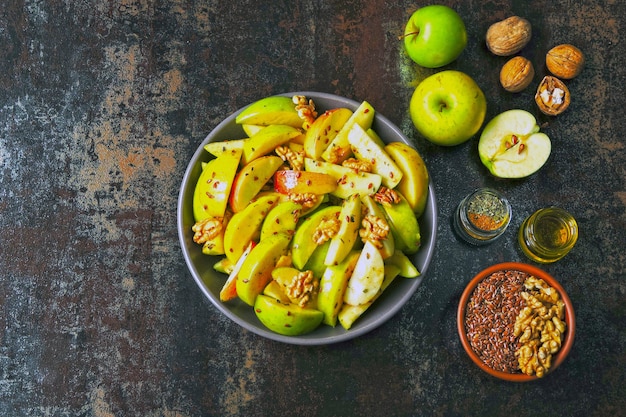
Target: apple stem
<point x="417" y="32"/>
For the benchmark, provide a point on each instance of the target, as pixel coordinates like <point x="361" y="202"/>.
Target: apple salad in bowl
<point x="307" y="218"/>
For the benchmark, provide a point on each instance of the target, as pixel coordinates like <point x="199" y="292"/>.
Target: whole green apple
<point x="434" y="36"/>
<point x="448" y="108"/>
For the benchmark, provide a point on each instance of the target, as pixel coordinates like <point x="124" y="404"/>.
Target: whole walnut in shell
<point x="565" y="61"/>
<point x="508" y="36"/>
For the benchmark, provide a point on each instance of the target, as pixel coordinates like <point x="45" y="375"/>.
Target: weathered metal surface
<point x="102" y="104"/>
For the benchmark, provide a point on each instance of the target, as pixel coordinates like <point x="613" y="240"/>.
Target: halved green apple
<point x="273" y="110"/>
<point x="286" y="319"/>
<point x="251" y="179"/>
<point x="367" y="149"/>
<point x="511" y="145"/>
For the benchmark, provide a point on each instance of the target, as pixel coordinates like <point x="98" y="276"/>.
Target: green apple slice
<point x="266" y="140"/>
<point x="348" y="314"/>
<point x="245" y="226"/>
<point x="404" y="225"/>
<point x="333" y="286"/>
<point x="367" y="277"/>
<point x="273" y="110"/>
<point x="210" y="196"/>
<point x="256" y="270"/>
<point x="349" y="181"/>
<point x="511" y="145"/>
<point x="218" y="148"/>
<point x="339" y="149"/>
<point x="323" y="131"/>
<point x="342" y="243"/>
<point x="250" y="180"/>
<point x="373" y="209"/>
<point x="406" y="268"/>
<point x="286" y="319"/>
<point x="303" y="245"/>
<point x="281" y="219"/>
<point x="367" y="149"/>
<point x="414" y="182"/>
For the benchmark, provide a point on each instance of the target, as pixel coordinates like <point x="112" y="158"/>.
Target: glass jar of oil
<point x="548" y="234"/>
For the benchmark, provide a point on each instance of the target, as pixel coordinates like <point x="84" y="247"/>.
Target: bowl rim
<point x="570" y="319"/>
<point x="308" y="339"/>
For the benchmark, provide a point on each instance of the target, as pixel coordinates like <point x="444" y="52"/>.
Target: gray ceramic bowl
<point x="210" y="282"/>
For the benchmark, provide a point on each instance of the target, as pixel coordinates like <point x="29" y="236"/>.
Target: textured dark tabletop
<point x="102" y="103"/>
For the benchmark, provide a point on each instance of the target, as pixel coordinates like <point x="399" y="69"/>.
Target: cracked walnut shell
<point x="552" y="96"/>
<point x="508" y="36"/>
<point x="565" y="61"/>
<point x="516" y="74"/>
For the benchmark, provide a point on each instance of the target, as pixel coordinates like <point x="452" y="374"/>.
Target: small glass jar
<point x="548" y="234"/>
<point x="482" y="216"/>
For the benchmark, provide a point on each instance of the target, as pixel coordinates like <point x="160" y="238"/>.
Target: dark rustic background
<point x="102" y="103"/>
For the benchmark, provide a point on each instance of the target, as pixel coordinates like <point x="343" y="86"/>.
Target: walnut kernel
<point x="565" y="61"/>
<point x="508" y="36"/>
<point x="516" y="74"/>
<point x="552" y="96"/>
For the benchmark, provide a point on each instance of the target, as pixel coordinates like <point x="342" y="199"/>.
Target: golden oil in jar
<point x="548" y="234"/>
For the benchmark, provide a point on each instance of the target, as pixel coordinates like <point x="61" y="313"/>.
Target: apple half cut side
<point x="511" y="145"/>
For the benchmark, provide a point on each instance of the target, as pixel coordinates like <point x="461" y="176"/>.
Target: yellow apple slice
<point x="218" y="148"/>
<point x="367" y="149"/>
<point x="333" y="286"/>
<point x="289" y="181"/>
<point x="414" y="182"/>
<point x="256" y="270"/>
<point x="273" y="110"/>
<point x="210" y="196"/>
<point x="245" y="226"/>
<point x="367" y="277"/>
<point x="251" y="179"/>
<point x="283" y="218"/>
<point x="342" y="243"/>
<point x="349" y="181"/>
<point x="323" y="131"/>
<point x="286" y="319"/>
<point x="229" y="289"/>
<point x="339" y="149"/>
<point x="275" y="290"/>
<point x="350" y="313"/>
<point x="266" y="140"/>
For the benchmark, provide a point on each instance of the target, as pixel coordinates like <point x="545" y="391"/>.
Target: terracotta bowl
<point x="210" y="282"/>
<point x="568" y="340"/>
